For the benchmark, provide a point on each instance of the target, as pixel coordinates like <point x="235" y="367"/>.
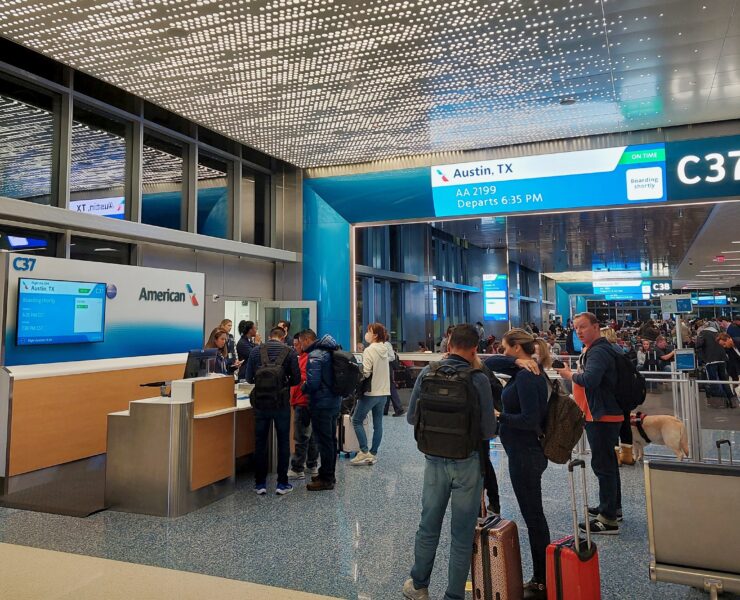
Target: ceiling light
<point x="105" y="250"/>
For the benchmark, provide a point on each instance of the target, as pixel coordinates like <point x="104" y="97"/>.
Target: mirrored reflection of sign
<point x="102" y="207"/>
<point x="495" y="297"/>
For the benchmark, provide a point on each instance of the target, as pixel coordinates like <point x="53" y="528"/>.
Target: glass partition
<point x="162" y="175"/>
<point x="213" y="197"/>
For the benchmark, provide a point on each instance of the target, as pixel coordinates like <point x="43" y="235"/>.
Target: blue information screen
<point x="603" y="177"/>
<point x="60" y="312"/>
<point x="623" y="290"/>
<point x="495" y="297"/>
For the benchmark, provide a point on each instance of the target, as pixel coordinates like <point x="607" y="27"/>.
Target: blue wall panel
<point x="326" y="265"/>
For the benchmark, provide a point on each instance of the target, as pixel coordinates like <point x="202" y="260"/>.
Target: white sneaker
<point x="361" y="458"/>
<point x="313" y="471"/>
<point x="371" y="458"/>
<point x="410" y="592"/>
<point x="294" y="474"/>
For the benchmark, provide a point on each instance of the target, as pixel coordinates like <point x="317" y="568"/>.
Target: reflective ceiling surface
<point x="324" y="82"/>
<point x="654" y="240"/>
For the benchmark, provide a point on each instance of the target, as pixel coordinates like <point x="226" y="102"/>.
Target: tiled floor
<point x="354" y="542"/>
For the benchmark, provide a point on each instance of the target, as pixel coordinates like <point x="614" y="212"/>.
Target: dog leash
<point x="637" y="422"/>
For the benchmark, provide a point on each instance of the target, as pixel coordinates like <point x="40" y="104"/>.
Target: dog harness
<point x="636" y="420"/>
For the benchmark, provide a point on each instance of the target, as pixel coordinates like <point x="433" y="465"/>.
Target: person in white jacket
<point x="376" y="367"/>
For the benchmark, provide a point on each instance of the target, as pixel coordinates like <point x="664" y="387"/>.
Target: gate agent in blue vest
<point x="455" y="480"/>
<point x="273" y="368"/>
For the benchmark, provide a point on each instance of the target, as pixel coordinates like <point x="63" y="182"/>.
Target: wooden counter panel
<point x="55" y="420"/>
<point x="213" y="394"/>
<point x="212" y="451"/>
<point x="244" y="433"/>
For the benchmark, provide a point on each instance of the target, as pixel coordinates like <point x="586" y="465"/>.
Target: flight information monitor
<point x="495" y="297"/>
<point x="60" y="312"/>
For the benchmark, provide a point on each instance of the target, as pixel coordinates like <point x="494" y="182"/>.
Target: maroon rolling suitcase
<point x="573" y="567"/>
<point x="497" y="562"/>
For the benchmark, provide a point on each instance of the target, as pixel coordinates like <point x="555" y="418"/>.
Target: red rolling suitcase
<point x="497" y="562"/>
<point x="573" y="567"/>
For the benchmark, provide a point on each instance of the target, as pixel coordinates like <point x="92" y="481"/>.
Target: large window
<point x="213" y="197"/>
<point x="162" y="175"/>
<point x="255" y="208"/>
<point x="84" y="248"/>
<point x="98" y="165"/>
<point x="26" y="142"/>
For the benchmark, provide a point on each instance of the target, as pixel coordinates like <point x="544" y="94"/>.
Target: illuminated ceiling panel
<point x="323" y="82"/>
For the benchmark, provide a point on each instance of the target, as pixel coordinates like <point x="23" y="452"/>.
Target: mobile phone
<point x="558" y="364"/>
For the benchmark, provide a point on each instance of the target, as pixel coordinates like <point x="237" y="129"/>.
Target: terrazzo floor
<point x="354" y="542"/>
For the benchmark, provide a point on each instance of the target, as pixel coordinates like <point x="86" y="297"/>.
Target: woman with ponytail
<point x="523" y="418"/>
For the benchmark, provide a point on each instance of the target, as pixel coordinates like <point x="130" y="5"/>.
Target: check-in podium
<point x="168" y="456"/>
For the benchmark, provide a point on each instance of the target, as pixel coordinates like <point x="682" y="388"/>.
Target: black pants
<point x="625" y="432"/>
<point x="603" y="437"/>
<point x="491" y="484"/>
<point x="526" y="466"/>
<point x="717" y="371"/>
<point x="262" y="420"/>
<point x="395" y="399"/>
<point x="324" y="424"/>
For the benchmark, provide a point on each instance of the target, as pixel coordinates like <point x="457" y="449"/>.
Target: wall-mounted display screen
<point x="631" y="289"/>
<point x="60" y="312"/>
<point x="495" y="297"/>
<point x="710" y="300"/>
<point x="602" y="177"/>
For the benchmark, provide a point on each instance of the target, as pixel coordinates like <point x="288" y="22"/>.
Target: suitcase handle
<point x="576" y="536"/>
<point x="719" y="444"/>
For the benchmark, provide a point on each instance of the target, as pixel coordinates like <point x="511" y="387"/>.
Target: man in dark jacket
<point x="275" y="410"/>
<point x="324" y="405"/>
<point x="714" y="357"/>
<point x="594" y="387"/>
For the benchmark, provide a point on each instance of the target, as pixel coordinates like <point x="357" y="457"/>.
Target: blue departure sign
<point x="495" y="297"/>
<point x="588" y="178"/>
<point x="60" y="312"/>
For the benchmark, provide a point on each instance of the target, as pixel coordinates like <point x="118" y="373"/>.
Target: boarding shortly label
<point x="589" y="178"/>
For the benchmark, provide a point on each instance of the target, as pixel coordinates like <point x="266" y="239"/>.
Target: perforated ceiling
<point x="321" y="82"/>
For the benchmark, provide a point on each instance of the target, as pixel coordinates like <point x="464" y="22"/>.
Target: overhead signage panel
<point x="708" y="168"/>
<point x="588" y="178"/>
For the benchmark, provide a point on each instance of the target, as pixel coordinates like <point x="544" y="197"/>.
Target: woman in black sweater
<point x="525" y="408"/>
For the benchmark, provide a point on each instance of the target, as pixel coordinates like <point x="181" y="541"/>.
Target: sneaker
<point x="600" y="528"/>
<point x="410" y="592"/>
<point x="594" y="512"/>
<point x="313" y="471"/>
<point x="319" y="485"/>
<point x="295" y="474"/>
<point x="399" y="414"/>
<point x="361" y="458"/>
<point x="283" y="488"/>
<point x="260" y="489"/>
<point x="372" y="458"/>
<point x="533" y="590"/>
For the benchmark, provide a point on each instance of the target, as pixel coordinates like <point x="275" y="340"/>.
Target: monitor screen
<point x="200" y="363"/>
<point x="59" y="312"/>
<point x="623" y="289"/>
<point x="495" y="297"/>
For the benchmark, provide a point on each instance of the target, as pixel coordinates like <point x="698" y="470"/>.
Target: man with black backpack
<point x="595" y="391"/>
<point x="452" y="413"/>
<point x="324" y="403"/>
<point x="273" y="369"/>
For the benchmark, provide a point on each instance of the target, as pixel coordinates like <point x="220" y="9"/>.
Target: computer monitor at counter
<point x="200" y="363"/>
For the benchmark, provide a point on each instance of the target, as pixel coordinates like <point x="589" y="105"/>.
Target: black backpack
<point x="631" y="386"/>
<point x="564" y="425"/>
<point x="448" y="413"/>
<point x="347" y="373"/>
<point x="271" y="389"/>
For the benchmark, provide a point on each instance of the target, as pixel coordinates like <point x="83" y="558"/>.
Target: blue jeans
<point x="364" y="406"/>
<point x="306" y="450"/>
<point x="526" y="466"/>
<point x="462" y="482"/>
<point x="324" y="424"/>
<point x="262" y="420"/>
<point x="603" y="437"/>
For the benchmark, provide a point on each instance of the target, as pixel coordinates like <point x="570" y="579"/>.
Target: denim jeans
<point x="461" y="482"/>
<point x="262" y="420"/>
<point x="364" y="406"/>
<point x="324" y="424"/>
<point x="306" y="450"/>
<point x="603" y="437"/>
<point x="526" y="466"/>
<point x="718" y="372"/>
